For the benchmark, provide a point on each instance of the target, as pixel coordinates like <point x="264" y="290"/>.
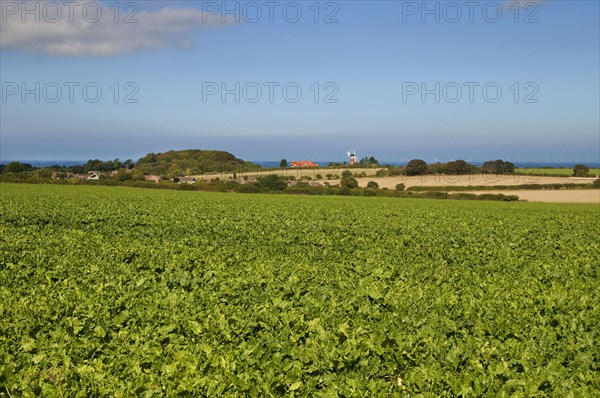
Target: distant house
<point x="316" y="184"/>
<point x="89" y="176"/>
<point x="152" y="178"/>
<point x="303" y="163"/>
<point x="187" y="180"/>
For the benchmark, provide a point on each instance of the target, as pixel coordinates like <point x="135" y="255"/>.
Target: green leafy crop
<point x="129" y="292"/>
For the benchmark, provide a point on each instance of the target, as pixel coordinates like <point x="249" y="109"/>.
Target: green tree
<point x="14" y="167"/>
<point x="137" y="175"/>
<point x="580" y="170"/>
<point x="416" y="167"/>
<point x="283" y="164"/>
<point x="498" y="166"/>
<point x="44" y="173"/>
<point x="174" y="171"/>
<point x="199" y="161"/>
<point x="372" y="184"/>
<point x="396" y="171"/>
<point x="123" y="175"/>
<point x="346" y="174"/>
<point x="508" y="167"/>
<point x="459" y="167"/>
<point x="128" y="164"/>
<point x="345" y="191"/>
<point x="368" y="162"/>
<point x="400" y="187"/>
<point x="273" y="182"/>
<point x="349" y="183"/>
<point x="436" y="168"/>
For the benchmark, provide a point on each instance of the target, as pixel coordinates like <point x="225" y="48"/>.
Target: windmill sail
<point x="352" y="156"/>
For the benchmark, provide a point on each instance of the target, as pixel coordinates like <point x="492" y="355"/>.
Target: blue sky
<point x="368" y="59"/>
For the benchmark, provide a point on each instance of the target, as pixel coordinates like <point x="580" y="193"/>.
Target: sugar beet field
<point x="130" y="292"/>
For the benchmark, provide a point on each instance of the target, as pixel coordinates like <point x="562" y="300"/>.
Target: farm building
<point x="303" y="163"/>
<point x="187" y="180"/>
<point x="89" y="176"/>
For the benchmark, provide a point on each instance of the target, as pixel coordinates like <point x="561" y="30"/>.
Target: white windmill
<point x="352" y="157"/>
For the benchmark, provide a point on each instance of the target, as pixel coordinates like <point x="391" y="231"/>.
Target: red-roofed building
<point x="303" y="163"/>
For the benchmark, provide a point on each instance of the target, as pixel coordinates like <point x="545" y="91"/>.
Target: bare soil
<point x="467" y="180"/>
<point x="553" y="196"/>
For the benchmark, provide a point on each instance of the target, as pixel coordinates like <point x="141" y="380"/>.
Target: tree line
<point x="458" y="167"/>
<point x="206" y="161"/>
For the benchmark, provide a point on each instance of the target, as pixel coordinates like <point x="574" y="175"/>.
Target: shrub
<point x="246" y="188"/>
<point x="373" y="185"/>
<point x="15" y="167"/>
<point x="349" y="183"/>
<point x="305" y="190"/>
<point x="272" y="182"/>
<point x="499" y="196"/>
<point x="400" y="187"/>
<point x="186" y="187"/>
<point x="434" y="195"/>
<point x="580" y="170"/>
<point x="141" y="184"/>
<point x="345" y="191"/>
<point x="395" y="171"/>
<point x="416" y="167"/>
<point x="464" y="196"/>
<point x="497" y="167"/>
<point x="459" y="167"/>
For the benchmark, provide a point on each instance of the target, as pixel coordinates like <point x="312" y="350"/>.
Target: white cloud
<point x="76" y="34"/>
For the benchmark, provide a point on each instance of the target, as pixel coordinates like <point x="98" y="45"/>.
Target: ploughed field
<point x="551" y="195"/>
<point x="130" y="292"/>
<point x="470" y="180"/>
